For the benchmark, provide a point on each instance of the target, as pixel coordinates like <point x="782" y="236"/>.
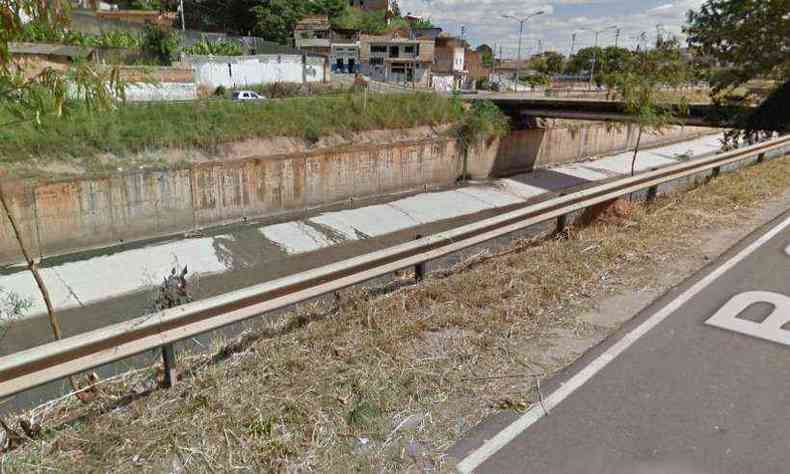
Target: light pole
<point x="595" y="51"/>
<point x="521" y="21"/>
<point x="181" y="9"/>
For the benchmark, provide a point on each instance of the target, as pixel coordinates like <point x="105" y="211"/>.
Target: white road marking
<point x="536" y="412"/>
<point x="770" y="329"/>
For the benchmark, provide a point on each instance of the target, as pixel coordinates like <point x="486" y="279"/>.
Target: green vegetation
<point x="160" y="43"/>
<point x="208" y="123"/>
<point x="204" y="47"/>
<point x="746" y="40"/>
<point x="36" y="32"/>
<point x="637" y="83"/>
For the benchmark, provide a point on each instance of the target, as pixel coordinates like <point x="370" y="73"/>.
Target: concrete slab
<point x="579" y="171"/>
<point x="372" y="221"/>
<point x="296" y="237"/>
<point x="79" y="283"/>
<point x="621" y="164"/>
<point x="433" y="207"/>
<point x="522" y="190"/>
<point x="491" y="195"/>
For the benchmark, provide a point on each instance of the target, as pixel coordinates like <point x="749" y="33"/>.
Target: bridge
<point x="521" y="109"/>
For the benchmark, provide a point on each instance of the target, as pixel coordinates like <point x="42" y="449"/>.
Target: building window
<point x="378" y="49"/>
<point x="376" y="61"/>
<point x="409" y="50"/>
<point x="394" y="51"/>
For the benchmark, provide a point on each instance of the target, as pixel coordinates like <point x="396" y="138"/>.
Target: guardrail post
<point x="562" y="223"/>
<point x="419" y="269"/>
<point x="760" y="158"/>
<point x="169" y="360"/>
<point x="652" y="192"/>
<point x="716" y="172"/>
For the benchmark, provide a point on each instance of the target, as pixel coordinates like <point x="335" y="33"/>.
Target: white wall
<point x="442" y="82"/>
<point x="250" y="70"/>
<point x="141" y="92"/>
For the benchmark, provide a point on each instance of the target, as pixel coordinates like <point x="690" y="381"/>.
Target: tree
<point x="49" y="92"/>
<point x="276" y="19"/>
<point x="486" y="55"/>
<point x="747" y="39"/>
<point x="160" y="43"/>
<point x="638" y="84"/>
<point x="330" y="8"/>
<point x="582" y="61"/>
<point x="549" y="63"/>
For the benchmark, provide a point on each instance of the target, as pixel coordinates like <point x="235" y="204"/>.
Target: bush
<point x="223" y="47"/>
<point x="220" y="91"/>
<point x="160" y="43"/>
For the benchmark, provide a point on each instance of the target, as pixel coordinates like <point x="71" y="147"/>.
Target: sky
<point x="483" y="21"/>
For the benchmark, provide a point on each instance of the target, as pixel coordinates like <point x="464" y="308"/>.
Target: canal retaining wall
<point x="71" y="214"/>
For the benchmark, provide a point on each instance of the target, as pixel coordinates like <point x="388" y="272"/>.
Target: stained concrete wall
<point x="564" y="142"/>
<point x="57" y="217"/>
<point x="68" y="215"/>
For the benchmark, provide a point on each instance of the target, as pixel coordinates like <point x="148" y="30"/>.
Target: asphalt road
<point x="697" y="383"/>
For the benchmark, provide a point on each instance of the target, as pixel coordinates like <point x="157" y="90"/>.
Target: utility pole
<point x="183" y="23"/>
<point x="521" y="21"/>
<point x="573" y="44"/>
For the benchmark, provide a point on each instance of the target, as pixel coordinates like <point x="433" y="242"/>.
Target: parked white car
<point x="247" y="95"/>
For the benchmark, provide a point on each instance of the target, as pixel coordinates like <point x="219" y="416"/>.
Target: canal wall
<point x="72" y="214"/>
<point x="555" y="142"/>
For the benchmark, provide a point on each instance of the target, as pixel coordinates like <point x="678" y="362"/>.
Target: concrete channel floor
<point x="102" y="287"/>
<point x="78" y="282"/>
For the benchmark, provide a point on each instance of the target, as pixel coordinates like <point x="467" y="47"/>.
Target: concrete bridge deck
<point x="520" y="107"/>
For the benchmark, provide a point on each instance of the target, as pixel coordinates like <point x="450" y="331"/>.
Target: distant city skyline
<point x="483" y="22"/>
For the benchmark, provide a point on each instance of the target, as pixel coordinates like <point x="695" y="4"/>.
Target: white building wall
<point x="443" y="82"/>
<point x="252" y="70"/>
<point x="141" y="92"/>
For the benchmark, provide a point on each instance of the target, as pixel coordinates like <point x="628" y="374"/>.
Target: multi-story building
<point x="313" y="34"/>
<point x="397" y="59"/>
<point x="449" y="71"/>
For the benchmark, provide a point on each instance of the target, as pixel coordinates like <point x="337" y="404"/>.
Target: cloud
<point x="483" y="22"/>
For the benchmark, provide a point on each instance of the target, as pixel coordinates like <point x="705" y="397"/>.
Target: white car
<point x="247" y="95"/>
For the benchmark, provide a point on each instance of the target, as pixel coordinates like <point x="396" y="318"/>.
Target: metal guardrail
<point x="33" y="367"/>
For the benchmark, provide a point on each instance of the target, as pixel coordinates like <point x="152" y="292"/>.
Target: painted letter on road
<point x="770" y="329"/>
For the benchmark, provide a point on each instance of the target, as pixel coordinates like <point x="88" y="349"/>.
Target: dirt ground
<point x="389" y="378"/>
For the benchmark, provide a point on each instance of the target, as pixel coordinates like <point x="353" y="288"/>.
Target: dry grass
<point x="387" y="382"/>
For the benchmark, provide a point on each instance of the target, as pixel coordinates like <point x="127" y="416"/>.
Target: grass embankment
<point x="206" y="123"/>
<point x="389" y="380"/>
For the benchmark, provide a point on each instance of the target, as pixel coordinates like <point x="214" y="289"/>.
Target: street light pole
<point x="183" y="23"/>
<point x="521" y="22"/>
<point x="518" y="61"/>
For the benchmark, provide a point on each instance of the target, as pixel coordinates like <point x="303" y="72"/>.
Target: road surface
<point x="698" y="383"/>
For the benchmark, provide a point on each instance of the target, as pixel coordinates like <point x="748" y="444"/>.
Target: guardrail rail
<point x="56" y="360"/>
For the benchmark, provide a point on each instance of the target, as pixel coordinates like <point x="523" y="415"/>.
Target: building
<point x="397" y="59"/>
<point x="476" y="70"/>
<point x="371" y="5"/>
<point x="449" y="70"/>
<point x="313" y="34"/>
<point x="344" y="58"/>
<point x="33" y="58"/>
